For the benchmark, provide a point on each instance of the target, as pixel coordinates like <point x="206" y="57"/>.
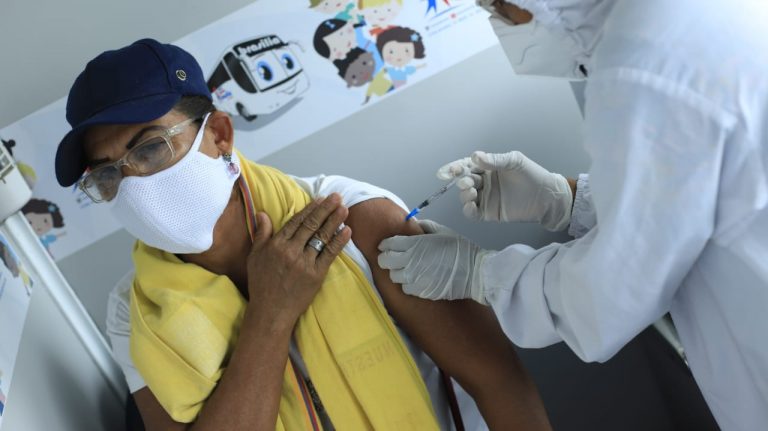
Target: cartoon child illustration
<point x="30" y="177"/>
<point x="334" y="38"/>
<point x="379" y="13"/>
<point x="357" y="68"/>
<point x="343" y="9"/>
<point x="399" y="46"/>
<point x="44" y="216"/>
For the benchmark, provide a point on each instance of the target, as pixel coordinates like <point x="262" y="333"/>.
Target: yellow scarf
<point x="185" y="322"/>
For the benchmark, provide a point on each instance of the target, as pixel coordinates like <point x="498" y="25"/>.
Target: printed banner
<point x="283" y="70"/>
<point x="15" y="290"/>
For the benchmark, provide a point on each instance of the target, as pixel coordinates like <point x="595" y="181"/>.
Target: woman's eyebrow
<point x="132" y="143"/>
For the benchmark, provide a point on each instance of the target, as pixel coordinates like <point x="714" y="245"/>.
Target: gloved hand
<point x="511" y="187"/>
<point x="437" y="265"/>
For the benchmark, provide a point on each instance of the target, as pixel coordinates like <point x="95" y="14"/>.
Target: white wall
<point x="44" y="44"/>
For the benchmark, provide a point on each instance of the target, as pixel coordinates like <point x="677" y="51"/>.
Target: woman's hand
<point x="284" y="273"/>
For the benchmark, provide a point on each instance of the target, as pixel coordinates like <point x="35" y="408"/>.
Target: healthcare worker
<point x="673" y="216"/>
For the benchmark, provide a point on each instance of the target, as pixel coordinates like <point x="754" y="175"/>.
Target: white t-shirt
<point x="352" y="192"/>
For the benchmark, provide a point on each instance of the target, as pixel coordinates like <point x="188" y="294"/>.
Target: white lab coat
<point x="676" y="120"/>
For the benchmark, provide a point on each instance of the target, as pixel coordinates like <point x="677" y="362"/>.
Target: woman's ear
<point x="220" y="124"/>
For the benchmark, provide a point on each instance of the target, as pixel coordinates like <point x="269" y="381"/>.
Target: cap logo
<point x="181" y="74"/>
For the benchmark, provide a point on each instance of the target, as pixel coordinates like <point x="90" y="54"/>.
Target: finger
<point x="315" y="219"/>
<point x="496" y="161"/>
<point x="333" y="248"/>
<point x="263" y="231"/>
<point x="400" y="276"/>
<point x="394" y="259"/>
<point x="444" y="173"/>
<point x="431" y="227"/>
<point x="290" y="228"/>
<point x="469" y="195"/>
<point x="328" y="229"/>
<point x="470" y="181"/>
<point x="428" y="226"/>
<point x="398" y="243"/>
<point x="459" y="170"/>
<point x="471" y="211"/>
<point x="466" y="183"/>
<point x="478" y="179"/>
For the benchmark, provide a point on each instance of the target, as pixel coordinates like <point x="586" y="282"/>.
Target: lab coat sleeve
<point x="656" y="149"/>
<point x="583" y="217"/>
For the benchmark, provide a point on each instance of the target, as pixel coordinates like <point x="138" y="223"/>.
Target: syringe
<point x="433" y="197"/>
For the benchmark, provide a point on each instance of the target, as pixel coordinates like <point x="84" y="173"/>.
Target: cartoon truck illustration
<point x="257" y="77"/>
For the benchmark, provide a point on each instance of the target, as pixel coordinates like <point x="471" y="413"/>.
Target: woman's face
<point x="398" y="54"/>
<point x="341" y="41"/>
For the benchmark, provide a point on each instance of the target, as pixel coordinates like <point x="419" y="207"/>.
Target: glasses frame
<point x="166" y="135"/>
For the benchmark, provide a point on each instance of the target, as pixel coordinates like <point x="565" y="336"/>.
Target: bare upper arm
<point x="463" y="337"/>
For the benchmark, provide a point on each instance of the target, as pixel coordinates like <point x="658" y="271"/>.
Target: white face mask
<point x="177" y="208"/>
<point x="534" y="50"/>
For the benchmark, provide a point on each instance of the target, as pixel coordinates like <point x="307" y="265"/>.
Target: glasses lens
<point x="150" y="156"/>
<point x="102" y="183"/>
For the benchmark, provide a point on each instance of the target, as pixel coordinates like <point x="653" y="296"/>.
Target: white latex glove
<point x="437" y="265"/>
<point x="511" y="187"/>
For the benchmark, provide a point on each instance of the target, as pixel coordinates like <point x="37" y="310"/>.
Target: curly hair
<point x="42" y="206"/>
<point x="402" y="35"/>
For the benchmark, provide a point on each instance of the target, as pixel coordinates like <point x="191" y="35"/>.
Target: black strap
<point x="452" y="401"/>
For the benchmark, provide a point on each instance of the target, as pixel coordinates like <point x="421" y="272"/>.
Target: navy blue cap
<point x="135" y="84"/>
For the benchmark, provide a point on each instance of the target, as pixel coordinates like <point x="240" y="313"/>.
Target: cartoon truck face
<point x="257" y="77"/>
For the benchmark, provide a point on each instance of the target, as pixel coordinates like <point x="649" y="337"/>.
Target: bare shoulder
<point x="376" y="219"/>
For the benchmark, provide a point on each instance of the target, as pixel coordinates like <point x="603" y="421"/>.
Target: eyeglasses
<point x="146" y="158"/>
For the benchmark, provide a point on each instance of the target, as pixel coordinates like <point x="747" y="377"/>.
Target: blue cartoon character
<point x="257" y="77"/>
<point x="44" y="216"/>
<point x="399" y="46"/>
